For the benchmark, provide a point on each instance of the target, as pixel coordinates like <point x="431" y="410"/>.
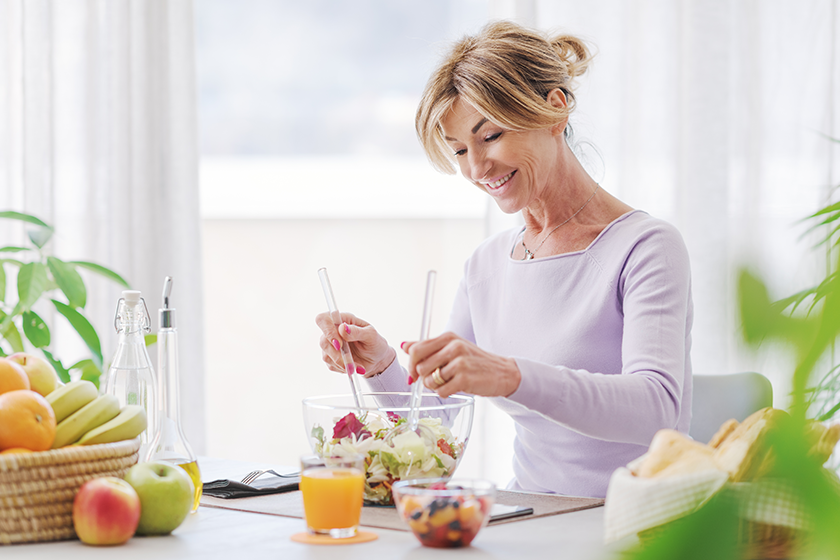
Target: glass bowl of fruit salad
<point x="379" y="430"/>
<point x="445" y="513"/>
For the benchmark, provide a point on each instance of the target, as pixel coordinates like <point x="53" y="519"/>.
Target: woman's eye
<point x="493" y="137"/>
<point x="460" y="152"/>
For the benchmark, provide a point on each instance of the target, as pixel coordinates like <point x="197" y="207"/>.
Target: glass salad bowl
<point x="379" y="430"/>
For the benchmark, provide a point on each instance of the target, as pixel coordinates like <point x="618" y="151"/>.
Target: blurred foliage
<point x="807" y="324"/>
<point x="43" y="278"/>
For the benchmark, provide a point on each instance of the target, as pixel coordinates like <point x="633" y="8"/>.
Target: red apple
<point x="106" y="511"/>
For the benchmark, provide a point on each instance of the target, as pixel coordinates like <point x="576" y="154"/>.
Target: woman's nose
<point x="479" y="165"/>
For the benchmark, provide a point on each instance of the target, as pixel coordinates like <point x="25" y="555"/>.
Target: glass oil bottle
<point x="130" y="377"/>
<point x="170" y="444"/>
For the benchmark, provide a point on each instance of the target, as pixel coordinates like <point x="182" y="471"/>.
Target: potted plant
<point x="808" y="325"/>
<point x="43" y="281"/>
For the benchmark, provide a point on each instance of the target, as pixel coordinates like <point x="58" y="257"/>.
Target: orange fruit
<point x="26" y="420"/>
<point x="12" y="376"/>
<point x="14" y="450"/>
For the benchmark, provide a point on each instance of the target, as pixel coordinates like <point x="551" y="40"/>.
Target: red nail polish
<point x="410" y="380"/>
<point x="347" y="329"/>
<point x="360" y="370"/>
<point x="336" y="344"/>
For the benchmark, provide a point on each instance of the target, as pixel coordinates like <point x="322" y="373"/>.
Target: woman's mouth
<point x="498" y="183"/>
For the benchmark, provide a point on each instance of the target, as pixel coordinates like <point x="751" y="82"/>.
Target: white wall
<point x="262" y="294"/>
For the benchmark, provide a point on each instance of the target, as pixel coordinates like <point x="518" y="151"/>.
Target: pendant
<point x="528" y="255"/>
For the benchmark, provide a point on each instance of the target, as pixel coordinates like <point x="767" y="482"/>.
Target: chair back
<point x="717" y="398"/>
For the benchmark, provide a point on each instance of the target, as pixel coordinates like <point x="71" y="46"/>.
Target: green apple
<point x="42" y="376"/>
<point x="166" y="496"/>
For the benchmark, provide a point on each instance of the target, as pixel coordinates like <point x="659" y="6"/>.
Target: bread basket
<point x="37" y="489"/>
<point x="772" y="523"/>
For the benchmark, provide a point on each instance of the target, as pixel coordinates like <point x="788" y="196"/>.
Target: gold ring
<point x="438" y="378"/>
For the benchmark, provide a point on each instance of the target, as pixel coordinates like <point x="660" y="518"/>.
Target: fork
<point x="254" y="475"/>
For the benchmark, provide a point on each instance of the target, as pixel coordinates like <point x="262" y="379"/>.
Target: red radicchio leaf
<point x="445" y="448"/>
<point x="350" y="425"/>
<point x="393" y="416"/>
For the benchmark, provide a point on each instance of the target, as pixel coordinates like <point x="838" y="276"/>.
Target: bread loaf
<point x="822" y="440"/>
<point x="672" y="453"/>
<point x="723" y="432"/>
<point x="742" y="453"/>
<point x="740" y="449"/>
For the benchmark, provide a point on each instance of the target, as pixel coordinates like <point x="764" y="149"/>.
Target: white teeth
<point x="500" y="182"/>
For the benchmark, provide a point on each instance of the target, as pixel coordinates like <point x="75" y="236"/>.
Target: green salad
<point x="392" y="452"/>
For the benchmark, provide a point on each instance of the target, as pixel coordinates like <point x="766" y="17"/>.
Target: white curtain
<point x="713" y="114"/>
<point x="98" y="138"/>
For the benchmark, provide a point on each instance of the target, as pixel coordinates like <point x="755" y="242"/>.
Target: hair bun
<point x="573" y="52"/>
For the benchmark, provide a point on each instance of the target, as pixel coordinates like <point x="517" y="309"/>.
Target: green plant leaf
<point x="68" y="281"/>
<point x="35" y="329"/>
<point x="62" y="372"/>
<point x="755" y="308"/>
<point x="5" y="319"/>
<point x="32" y="281"/>
<point x="80" y="364"/>
<point x="826" y="210"/>
<point x="102" y="271"/>
<point x="84" y="328"/>
<point x="829" y="414"/>
<point x="12" y="249"/>
<point x="10" y="215"/>
<point x="12" y="335"/>
<point x="2" y="283"/>
<point x="12" y="261"/>
<point x="40" y="236"/>
<point x="150" y="339"/>
<point x="90" y="371"/>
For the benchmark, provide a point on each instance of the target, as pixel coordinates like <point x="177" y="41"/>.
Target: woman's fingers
<point x="370" y="351"/>
<point x="330" y="355"/>
<point x="449" y="364"/>
<point x="330" y="329"/>
<point x="426" y="356"/>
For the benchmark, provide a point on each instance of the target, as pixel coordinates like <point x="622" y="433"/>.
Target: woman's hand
<point x="463" y="367"/>
<point x="371" y="352"/>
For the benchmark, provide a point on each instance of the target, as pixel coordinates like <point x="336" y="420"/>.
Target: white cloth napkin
<point x="634" y="504"/>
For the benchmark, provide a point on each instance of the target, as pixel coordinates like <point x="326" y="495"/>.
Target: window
<point x="309" y="159"/>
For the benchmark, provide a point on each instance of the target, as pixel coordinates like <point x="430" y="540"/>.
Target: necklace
<point x="531" y="254"/>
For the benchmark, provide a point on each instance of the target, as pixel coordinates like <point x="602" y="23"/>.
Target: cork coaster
<point x="361" y="537"/>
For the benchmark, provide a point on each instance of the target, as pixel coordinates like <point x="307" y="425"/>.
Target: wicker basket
<point x="756" y="541"/>
<point x="37" y="489"/>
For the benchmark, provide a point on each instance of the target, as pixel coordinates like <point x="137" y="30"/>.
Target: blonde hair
<point x="506" y="72"/>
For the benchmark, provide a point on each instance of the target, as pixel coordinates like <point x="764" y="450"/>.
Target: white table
<point x="220" y="533"/>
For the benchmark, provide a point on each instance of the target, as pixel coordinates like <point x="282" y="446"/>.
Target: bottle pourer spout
<point x="167" y="289"/>
<point x="166" y="318"/>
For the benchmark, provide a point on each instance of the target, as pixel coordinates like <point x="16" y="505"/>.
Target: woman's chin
<point x="507" y="206"/>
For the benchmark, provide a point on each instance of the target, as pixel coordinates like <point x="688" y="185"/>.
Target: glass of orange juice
<point x="333" y="489"/>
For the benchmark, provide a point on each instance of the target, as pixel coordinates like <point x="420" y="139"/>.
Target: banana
<point x="90" y="416"/>
<point x="71" y="397"/>
<point x="128" y="424"/>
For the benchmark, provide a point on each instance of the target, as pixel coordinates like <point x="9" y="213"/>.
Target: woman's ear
<point x="556" y="98"/>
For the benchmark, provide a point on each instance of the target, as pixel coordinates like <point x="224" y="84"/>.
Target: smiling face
<point x="516" y="168"/>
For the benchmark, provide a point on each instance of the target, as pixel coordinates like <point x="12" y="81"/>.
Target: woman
<point x="577" y="325"/>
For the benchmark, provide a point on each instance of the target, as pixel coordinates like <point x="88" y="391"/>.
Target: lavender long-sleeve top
<point x="602" y="339"/>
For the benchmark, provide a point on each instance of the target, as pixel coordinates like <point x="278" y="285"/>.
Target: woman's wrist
<point x="383" y="364"/>
<point x="514" y="377"/>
